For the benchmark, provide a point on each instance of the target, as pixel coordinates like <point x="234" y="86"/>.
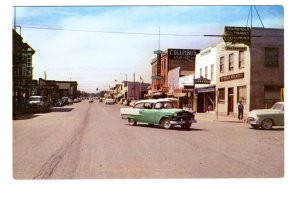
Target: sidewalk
<point x="212" y="117"/>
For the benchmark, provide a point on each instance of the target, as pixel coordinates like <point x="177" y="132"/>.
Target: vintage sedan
<point x="267" y="118"/>
<point x="158" y="111"/>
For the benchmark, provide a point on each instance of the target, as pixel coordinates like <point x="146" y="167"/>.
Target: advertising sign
<point x="183" y="54"/>
<point x="237" y="35"/>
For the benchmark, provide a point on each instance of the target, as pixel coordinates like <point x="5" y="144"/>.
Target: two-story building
<point x="205" y="80"/>
<point x="252" y="74"/>
<point x="22" y="69"/>
<point x="169" y="60"/>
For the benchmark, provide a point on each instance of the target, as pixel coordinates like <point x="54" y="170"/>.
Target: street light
<point x="126" y="91"/>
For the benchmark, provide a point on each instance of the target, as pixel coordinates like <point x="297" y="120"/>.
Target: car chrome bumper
<point x="183" y="122"/>
<point x="251" y="120"/>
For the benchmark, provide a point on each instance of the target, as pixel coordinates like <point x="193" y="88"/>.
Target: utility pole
<point x="133" y="85"/>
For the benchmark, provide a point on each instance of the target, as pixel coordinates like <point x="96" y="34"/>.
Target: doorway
<point x="230" y="101"/>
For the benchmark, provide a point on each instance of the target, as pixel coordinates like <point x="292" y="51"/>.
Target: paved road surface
<point x="91" y="141"/>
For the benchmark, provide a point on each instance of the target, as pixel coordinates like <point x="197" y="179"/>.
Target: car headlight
<point x="175" y="115"/>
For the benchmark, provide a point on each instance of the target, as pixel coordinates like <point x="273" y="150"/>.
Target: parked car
<point x="65" y="100"/>
<point x="58" y="103"/>
<point x="110" y="101"/>
<point x="267" y="118"/>
<point x="158" y="111"/>
<point x="91" y="100"/>
<point x="38" y="103"/>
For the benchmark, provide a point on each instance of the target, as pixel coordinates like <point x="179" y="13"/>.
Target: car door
<point x="148" y="113"/>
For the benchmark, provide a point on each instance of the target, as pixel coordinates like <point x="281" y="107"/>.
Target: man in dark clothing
<point x="240" y="110"/>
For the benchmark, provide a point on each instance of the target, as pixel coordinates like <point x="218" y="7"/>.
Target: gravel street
<point x="91" y="141"/>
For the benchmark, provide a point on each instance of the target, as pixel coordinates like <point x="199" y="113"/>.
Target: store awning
<point x="205" y="89"/>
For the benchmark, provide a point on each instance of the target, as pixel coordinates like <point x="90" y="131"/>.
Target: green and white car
<point x="158" y="112"/>
<point x="267" y="118"/>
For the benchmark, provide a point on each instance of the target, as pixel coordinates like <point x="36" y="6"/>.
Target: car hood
<point x="264" y="111"/>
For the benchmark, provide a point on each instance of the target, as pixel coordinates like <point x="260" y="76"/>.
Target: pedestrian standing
<point x="240" y="110"/>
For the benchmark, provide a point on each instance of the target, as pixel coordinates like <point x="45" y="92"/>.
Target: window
<point x="206" y="71"/>
<point x="241" y="59"/>
<point x="212" y="72"/>
<point x="271" y="57"/>
<point x="230" y="64"/>
<point x="139" y="105"/>
<point x="148" y="105"/>
<point x="200" y="71"/>
<point x="221" y="95"/>
<point x="242" y="94"/>
<point x="158" y="105"/>
<point x="222" y="64"/>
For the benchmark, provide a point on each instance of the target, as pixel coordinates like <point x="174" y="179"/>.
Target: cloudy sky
<point x="93" y="45"/>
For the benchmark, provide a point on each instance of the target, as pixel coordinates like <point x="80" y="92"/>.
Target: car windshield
<point x="34" y="98"/>
<point x="163" y="105"/>
<point x="278" y="106"/>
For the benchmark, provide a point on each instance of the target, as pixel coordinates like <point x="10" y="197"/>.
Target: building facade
<point x="169" y="60"/>
<point x="205" y="80"/>
<point x="251" y="74"/>
<point x="22" y="69"/>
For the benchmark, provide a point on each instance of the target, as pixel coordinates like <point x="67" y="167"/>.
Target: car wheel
<point x="186" y="126"/>
<point x="166" y="123"/>
<point x="255" y="126"/>
<point x="131" y="122"/>
<point x="267" y="124"/>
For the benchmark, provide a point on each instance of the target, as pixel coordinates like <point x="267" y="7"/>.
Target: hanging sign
<point x="237" y="35"/>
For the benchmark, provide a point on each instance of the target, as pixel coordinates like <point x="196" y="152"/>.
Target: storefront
<point x="205" y="98"/>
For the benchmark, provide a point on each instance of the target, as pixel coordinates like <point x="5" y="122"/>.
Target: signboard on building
<point x="235" y="48"/>
<point x="232" y="77"/>
<point x="237" y="35"/>
<point x="183" y="54"/>
<point x="201" y="80"/>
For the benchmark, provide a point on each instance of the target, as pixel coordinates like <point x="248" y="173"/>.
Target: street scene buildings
<point x="194" y="111"/>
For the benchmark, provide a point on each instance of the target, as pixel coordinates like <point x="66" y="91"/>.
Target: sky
<point x="97" y="45"/>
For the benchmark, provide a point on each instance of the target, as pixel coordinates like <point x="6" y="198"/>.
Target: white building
<point x="205" y="79"/>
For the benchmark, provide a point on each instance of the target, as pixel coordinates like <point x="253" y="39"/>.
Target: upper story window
<point x="206" y="71"/>
<point x="230" y="64"/>
<point x="212" y="72"/>
<point x="222" y="64"/>
<point x="241" y="59"/>
<point x="271" y="57"/>
<point x="201" y="72"/>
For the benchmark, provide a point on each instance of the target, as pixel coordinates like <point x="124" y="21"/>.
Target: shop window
<point x="212" y="72"/>
<point x="222" y="64"/>
<point x="230" y="64"/>
<point x="242" y="94"/>
<point x="221" y="95"/>
<point x="271" y="57"/>
<point x="241" y="59"/>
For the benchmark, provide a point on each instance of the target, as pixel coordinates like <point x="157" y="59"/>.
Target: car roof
<point x="153" y="101"/>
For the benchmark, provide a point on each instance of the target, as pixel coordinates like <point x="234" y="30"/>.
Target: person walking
<point x="240" y="110"/>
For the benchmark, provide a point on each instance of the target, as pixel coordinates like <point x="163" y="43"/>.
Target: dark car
<point x="38" y="103"/>
<point x="91" y="100"/>
<point x="58" y="103"/>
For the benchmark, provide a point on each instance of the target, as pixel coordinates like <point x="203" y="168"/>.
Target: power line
<point x="132" y="33"/>
<point x="110" y="32"/>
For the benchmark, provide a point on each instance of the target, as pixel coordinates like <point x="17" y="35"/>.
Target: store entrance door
<point x="230" y="101"/>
